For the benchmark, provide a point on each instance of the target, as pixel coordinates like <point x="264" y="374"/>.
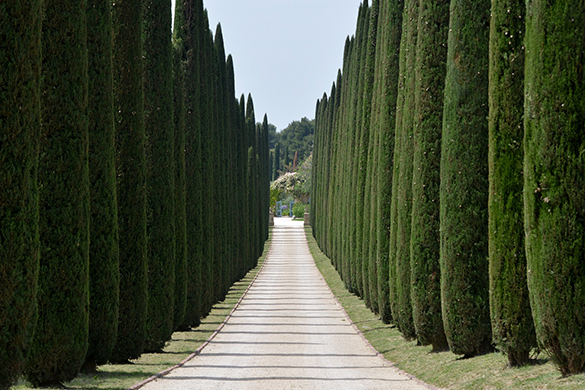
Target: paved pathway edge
<point x="363" y="336"/>
<point x="206" y="343"/>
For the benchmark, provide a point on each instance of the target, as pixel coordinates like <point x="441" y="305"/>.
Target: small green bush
<point x="299" y="210"/>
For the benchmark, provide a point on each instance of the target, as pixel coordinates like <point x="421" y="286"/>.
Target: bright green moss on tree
<point x="104" y="274"/>
<point x="20" y="113"/>
<point x="59" y="343"/>
<point x="554" y="202"/>
<point x="464" y="181"/>
<point x="512" y="324"/>
<point x="433" y="27"/>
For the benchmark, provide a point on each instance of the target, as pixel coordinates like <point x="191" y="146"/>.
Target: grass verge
<point x="443" y="369"/>
<point x="183" y="344"/>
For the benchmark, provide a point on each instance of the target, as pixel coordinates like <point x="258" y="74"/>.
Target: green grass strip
<point x="443" y="369"/>
<point x="184" y="345"/>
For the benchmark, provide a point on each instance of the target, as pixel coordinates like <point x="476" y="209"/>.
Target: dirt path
<point x="288" y="333"/>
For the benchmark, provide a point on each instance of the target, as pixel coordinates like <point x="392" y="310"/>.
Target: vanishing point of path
<point x="287" y="333"/>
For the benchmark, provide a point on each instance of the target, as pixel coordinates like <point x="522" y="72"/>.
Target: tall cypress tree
<point x="276" y="164"/>
<point x="104" y="257"/>
<point x="464" y="181"/>
<point x="60" y="343"/>
<point x="512" y="324"/>
<point x="366" y="157"/>
<point x="131" y="184"/>
<point x="391" y="25"/>
<point x="189" y="36"/>
<point x="402" y="194"/>
<point x="159" y="129"/>
<point x="433" y="27"/>
<point x="20" y="109"/>
<point x="180" y="292"/>
<point x="554" y="201"/>
<point x="356" y="203"/>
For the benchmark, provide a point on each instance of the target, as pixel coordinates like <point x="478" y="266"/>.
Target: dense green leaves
<point x="160" y="175"/>
<point x="554" y="202"/>
<point x="433" y="25"/>
<point x="104" y="256"/>
<point x="131" y="179"/>
<point x="20" y="114"/>
<point x="464" y="181"/>
<point x="512" y="324"/>
<point x="60" y="341"/>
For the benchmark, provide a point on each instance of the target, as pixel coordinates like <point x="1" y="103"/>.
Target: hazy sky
<point x="286" y="52"/>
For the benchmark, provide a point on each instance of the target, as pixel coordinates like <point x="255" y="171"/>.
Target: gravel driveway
<point x="287" y="333"/>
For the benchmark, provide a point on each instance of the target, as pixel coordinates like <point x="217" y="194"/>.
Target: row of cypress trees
<point x="123" y="150"/>
<point x="448" y="174"/>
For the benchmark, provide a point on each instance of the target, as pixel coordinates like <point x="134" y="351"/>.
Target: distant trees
<point x="296" y="138"/>
<point x="461" y="194"/>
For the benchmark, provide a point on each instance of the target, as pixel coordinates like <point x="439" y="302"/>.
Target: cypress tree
<point x="188" y="34"/>
<point x="366" y="156"/>
<point x="20" y="109"/>
<point x="276" y="164"/>
<point x="554" y="201"/>
<point x="180" y="292"/>
<point x="433" y="25"/>
<point x="59" y="343"/>
<point x="356" y="203"/>
<point x="207" y="133"/>
<point x="286" y="161"/>
<point x="464" y="181"/>
<point x="512" y="325"/>
<point x="391" y="25"/>
<point x="402" y="193"/>
<point x="159" y="130"/>
<point x="231" y="141"/>
<point x="131" y="183"/>
<point x="104" y="274"/>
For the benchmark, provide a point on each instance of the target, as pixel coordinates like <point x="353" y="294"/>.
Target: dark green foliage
<point x="276" y="164"/>
<point x="20" y="66"/>
<point x="159" y="129"/>
<point x="286" y="157"/>
<point x="356" y="186"/>
<point x="433" y="27"/>
<point x="180" y="292"/>
<point x="131" y="183"/>
<point x="464" y="181"/>
<point x="387" y="87"/>
<point x="554" y="175"/>
<point x="59" y="343"/>
<point x="512" y="324"/>
<point x="188" y="35"/>
<point x="298" y="137"/>
<point x="366" y="152"/>
<point x="402" y="190"/>
<point x="104" y="259"/>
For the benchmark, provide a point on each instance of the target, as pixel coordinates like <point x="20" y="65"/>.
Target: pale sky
<point x="286" y="52"/>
